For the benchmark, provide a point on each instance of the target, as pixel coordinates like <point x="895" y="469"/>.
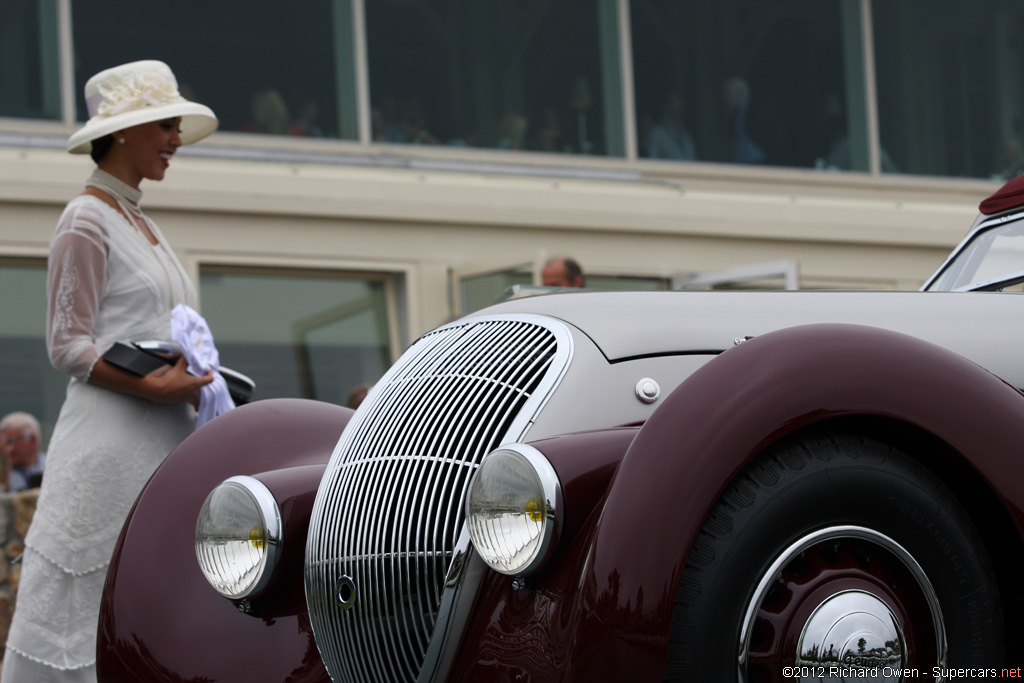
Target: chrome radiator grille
<point x="390" y="507"/>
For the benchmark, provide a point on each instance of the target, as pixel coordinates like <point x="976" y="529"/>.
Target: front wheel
<point x="834" y="556"/>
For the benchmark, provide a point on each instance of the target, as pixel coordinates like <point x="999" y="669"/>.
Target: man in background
<point x="562" y="272"/>
<point x="19" y="443"/>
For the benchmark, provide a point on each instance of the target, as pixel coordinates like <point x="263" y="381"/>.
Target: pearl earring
<point x="121" y="141"/>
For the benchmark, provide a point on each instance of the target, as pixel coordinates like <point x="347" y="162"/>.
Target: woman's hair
<point x="100" y="147"/>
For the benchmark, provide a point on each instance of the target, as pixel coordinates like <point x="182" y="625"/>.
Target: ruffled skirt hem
<point x="51" y="665"/>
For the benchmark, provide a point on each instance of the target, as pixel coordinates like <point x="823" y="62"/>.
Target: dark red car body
<point x="639" y="490"/>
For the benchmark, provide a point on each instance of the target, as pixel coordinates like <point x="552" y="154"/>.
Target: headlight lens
<point x="513" y="509"/>
<point x="238" y="537"/>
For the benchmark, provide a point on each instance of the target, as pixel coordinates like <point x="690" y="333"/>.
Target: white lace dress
<point x="106" y="283"/>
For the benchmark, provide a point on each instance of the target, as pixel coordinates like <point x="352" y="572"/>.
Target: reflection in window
<point x="949" y="95"/>
<point x="298" y="333"/>
<point x="29" y="77"/>
<point x="749" y="81"/>
<point x="29" y="383"/>
<point x="260" y="66"/>
<point x="519" y="76"/>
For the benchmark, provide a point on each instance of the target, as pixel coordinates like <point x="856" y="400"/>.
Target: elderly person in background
<point x="19" y="443"/>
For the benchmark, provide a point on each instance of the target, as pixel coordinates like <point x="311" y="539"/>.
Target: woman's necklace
<point x="126" y="196"/>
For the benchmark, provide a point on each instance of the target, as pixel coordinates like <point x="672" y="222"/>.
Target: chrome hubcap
<point x="854" y="630"/>
<point x="838" y="602"/>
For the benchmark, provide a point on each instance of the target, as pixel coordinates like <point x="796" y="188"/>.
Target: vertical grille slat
<point x="390" y="508"/>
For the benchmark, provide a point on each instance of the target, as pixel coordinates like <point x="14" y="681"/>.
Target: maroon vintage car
<point x="703" y="486"/>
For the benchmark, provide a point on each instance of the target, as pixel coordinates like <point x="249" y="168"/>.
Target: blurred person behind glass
<point x="668" y="138"/>
<point x="746" y="145"/>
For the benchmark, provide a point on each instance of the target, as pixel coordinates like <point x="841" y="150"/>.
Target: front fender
<point x="160" y="620"/>
<point x="727" y="412"/>
<point x="529" y="634"/>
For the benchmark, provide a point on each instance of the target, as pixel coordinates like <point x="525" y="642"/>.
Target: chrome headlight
<point x="513" y="509"/>
<point x="239" y="537"/>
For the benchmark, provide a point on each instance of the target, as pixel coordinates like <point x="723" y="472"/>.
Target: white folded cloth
<point x="193" y="335"/>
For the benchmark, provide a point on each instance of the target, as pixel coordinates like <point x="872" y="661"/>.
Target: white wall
<point x="416" y="214"/>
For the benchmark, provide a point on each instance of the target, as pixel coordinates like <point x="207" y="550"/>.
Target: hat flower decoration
<point x="152" y="89"/>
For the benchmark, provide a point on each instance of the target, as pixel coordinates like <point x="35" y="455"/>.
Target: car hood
<point x="987" y="327"/>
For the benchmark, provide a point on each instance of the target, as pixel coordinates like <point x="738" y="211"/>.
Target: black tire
<point x="823" y="509"/>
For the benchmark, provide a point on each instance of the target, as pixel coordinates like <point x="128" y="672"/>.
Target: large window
<point x="530" y="75"/>
<point x="29" y="383"/>
<point x="774" y="82"/>
<point x="299" y="333"/>
<point x="950" y="100"/>
<point x="29" y="76"/>
<point x="263" y="67"/>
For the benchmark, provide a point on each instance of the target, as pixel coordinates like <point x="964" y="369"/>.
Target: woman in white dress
<point x="112" y="277"/>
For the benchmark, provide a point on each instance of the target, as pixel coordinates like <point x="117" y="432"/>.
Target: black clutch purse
<point x="142" y="358"/>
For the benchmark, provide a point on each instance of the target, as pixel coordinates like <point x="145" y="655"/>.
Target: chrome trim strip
<point x="993" y="284"/>
<point x="464" y="577"/>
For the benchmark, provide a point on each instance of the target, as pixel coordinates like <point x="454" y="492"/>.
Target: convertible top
<point x="1008" y="196"/>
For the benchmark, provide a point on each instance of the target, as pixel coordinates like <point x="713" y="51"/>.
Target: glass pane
<point x="30" y="383"/>
<point x="524" y="75"/>
<point x="29" y="78"/>
<point x="774" y="82"/>
<point x="303" y="334"/>
<point x="769" y="283"/>
<point x="949" y="96"/>
<point x="993" y="256"/>
<point x="483" y="289"/>
<point x="261" y="66"/>
<point x="626" y="283"/>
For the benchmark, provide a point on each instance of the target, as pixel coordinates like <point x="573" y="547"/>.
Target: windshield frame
<point x="985" y="231"/>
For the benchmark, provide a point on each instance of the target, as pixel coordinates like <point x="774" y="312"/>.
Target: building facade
<point x="385" y="165"/>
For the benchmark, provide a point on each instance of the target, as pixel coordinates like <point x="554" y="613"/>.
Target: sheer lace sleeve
<point x="75" y="280"/>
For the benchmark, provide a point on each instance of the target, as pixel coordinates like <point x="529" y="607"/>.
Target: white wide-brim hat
<point x="136" y="93"/>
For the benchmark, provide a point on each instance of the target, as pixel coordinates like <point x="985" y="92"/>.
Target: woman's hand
<point x="174" y="384"/>
<point x="170" y="384"/>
